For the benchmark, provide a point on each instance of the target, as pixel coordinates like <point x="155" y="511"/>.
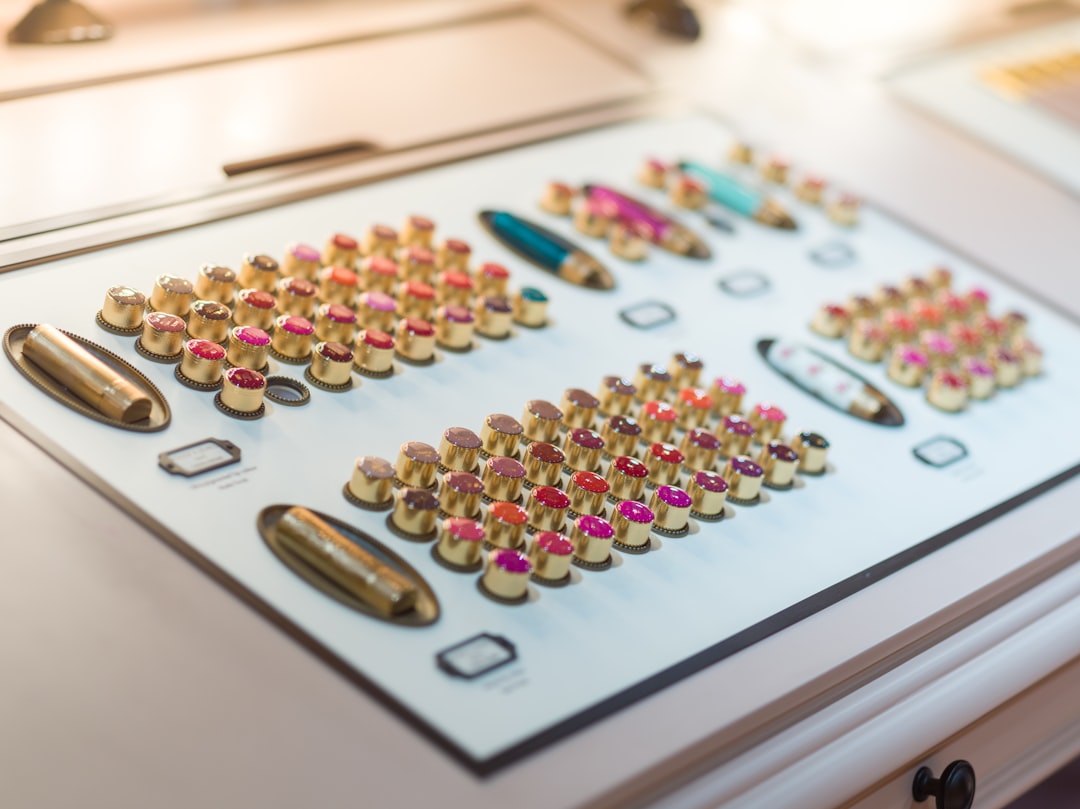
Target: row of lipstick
<point x="630" y="225"/>
<point x="532" y="485"/>
<point x="929" y="333"/>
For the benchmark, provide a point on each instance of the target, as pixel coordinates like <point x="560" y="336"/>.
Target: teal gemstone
<point x="533" y="294"/>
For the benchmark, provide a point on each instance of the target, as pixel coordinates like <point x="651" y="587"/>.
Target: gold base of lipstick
<point x="123" y="307"/>
<point x="548" y="564"/>
<point x="172" y="294"/>
<point x="209" y="320"/>
<point x="627" y="243"/>
<point x="205" y="370"/>
<point x="372" y="480"/>
<point x="215" y="283"/>
<point x="258" y="272"/>
<point x="557" y="199"/>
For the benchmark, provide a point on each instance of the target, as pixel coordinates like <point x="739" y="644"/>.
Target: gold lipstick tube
<point x="85" y="375"/>
<point x="345" y="563"/>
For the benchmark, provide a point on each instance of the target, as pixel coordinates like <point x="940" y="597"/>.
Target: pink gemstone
<point x="710" y="481"/>
<point x="937" y="343"/>
<point x="378" y="301"/>
<point x="457" y="314"/>
<point x="462" y="437"/>
<point x="949" y="379"/>
<point x="631" y="467"/>
<point x="511" y="561"/>
<point x="782" y="452"/>
<point x="550" y="497"/>
<point x="586" y="438"/>
<point x="770" y="412"/>
<point x="872" y="332"/>
<point x="738" y="425"/>
<point x="496" y="304"/>
<point x="337" y="313"/>
<point x="205" y="350"/>
<point x="163" y="321"/>
<point x="978" y="367"/>
<point x="953" y="304"/>
<point x="912" y="356"/>
<point x="978" y="297"/>
<point x="421" y="223"/>
<point x="419" y="255"/>
<point x="505" y="467"/>
<point x="251" y="335"/>
<point x="417" y="326"/>
<point x="258" y="299"/>
<point x="673" y="496"/>
<point x="377" y="339"/>
<point x="594" y="527"/>
<point x="601" y="208"/>
<point x="991" y="327"/>
<point x="901" y="323"/>
<point x="554" y="543"/>
<point x="463" y="528"/>
<point x="463" y="482"/>
<point x="303" y="252"/>
<point x="245" y="378"/>
<point x="746" y="467"/>
<point x="836" y="311"/>
<point x="544" y="410"/>
<point x="335" y="352"/>
<point x="295" y="325"/>
<point x="635" y="512"/>
<point x="965" y="336"/>
<point x="702" y="439"/>
<point x="457" y="246"/>
<point x="727" y="384"/>
<point x="420" y="452"/>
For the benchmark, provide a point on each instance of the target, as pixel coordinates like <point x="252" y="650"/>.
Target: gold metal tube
<point x="345" y="563"/>
<point x="85" y="375"/>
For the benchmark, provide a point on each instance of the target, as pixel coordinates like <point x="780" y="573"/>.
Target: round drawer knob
<point x="955" y="789"/>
